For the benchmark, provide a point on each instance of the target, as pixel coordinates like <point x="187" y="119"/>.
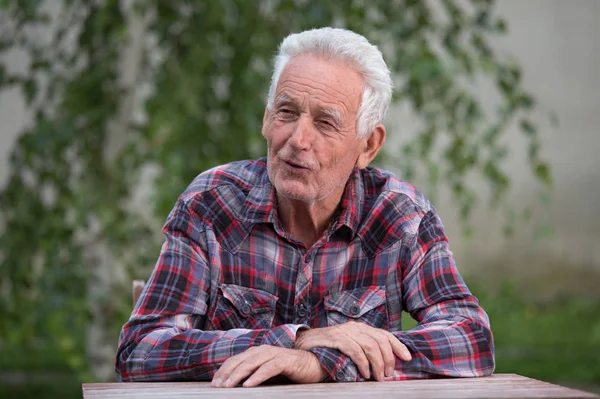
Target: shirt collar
<point x="351" y="204"/>
<point x="259" y="206"/>
<point x="260" y="202"/>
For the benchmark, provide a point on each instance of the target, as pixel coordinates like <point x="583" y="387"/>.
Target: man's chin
<point x="295" y="195"/>
<point x="295" y="191"/>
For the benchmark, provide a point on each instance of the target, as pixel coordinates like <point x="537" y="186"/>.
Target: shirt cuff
<point x="283" y="336"/>
<point x="339" y="367"/>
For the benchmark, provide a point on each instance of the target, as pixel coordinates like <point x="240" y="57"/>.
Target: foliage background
<point x="133" y="99"/>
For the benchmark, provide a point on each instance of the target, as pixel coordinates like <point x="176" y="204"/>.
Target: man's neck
<point x="307" y="221"/>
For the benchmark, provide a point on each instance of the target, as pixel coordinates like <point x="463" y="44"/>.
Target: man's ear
<point x="372" y="146"/>
<point x="264" y="121"/>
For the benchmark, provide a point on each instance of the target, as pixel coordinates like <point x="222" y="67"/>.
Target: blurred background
<point x="108" y="109"/>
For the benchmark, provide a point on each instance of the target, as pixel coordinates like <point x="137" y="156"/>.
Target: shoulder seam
<point x="186" y="199"/>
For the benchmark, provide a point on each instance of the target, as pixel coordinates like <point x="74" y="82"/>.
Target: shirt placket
<point x="303" y="287"/>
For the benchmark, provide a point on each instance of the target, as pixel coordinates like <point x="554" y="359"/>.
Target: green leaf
<point x="542" y="171"/>
<point x="543" y="232"/>
<point x="528" y="128"/>
<point x="525" y="101"/>
<point x="481" y="18"/>
<point x="500" y="25"/>
<point x="29" y="90"/>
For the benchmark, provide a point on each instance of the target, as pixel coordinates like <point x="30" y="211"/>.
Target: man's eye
<point x="326" y="123"/>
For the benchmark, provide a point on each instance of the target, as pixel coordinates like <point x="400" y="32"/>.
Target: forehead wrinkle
<point x="293" y="76"/>
<point x="302" y="89"/>
<point x="304" y="95"/>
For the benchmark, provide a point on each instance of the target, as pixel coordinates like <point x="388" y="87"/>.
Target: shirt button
<point x="301" y="311"/>
<point x="308" y="258"/>
<point x="246" y="309"/>
<point x="339" y="376"/>
<point x="354" y="310"/>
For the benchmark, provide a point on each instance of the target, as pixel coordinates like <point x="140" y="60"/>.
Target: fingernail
<point x="392" y="376"/>
<point x="228" y="383"/>
<point x="217" y="382"/>
<point x="389" y="371"/>
<point x="407" y="355"/>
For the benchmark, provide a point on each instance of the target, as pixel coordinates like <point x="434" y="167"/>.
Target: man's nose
<point x="303" y="134"/>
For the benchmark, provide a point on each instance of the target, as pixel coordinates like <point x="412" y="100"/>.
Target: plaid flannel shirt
<point x="230" y="277"/>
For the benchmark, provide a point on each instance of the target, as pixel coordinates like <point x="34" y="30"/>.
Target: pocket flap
<point x="249" y="301"/>
<point x="356" y="302"/>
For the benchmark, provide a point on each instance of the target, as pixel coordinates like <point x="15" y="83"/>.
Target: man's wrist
<point x="300" y="336"/>
<point x="302" y="340"/>
<point x="315" y="364"/>
<point x="305" y="338"/>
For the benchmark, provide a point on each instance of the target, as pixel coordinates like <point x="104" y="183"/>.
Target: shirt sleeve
<point x="339" y="367"/>
<point x="162" y="340"/>
<point x="453" y="337"/>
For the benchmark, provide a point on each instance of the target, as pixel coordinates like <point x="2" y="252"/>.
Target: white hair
<point x="349" y="47"/>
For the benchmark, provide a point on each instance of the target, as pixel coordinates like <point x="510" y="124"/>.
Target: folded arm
<point x="164" y="340"/>
<point x="453" y="337"/>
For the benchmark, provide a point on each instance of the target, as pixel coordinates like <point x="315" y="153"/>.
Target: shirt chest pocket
<point x="243" y="307"/>
<point x="366" y="305"/>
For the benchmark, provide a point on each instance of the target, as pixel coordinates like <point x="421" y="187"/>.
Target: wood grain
<point x="498" y="386"/>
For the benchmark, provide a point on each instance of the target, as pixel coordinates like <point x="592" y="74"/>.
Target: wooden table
<point x="496" y="386"/>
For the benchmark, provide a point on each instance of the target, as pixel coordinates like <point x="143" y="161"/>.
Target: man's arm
<point x="162" y="340"/>
<point x="453" y="337"/>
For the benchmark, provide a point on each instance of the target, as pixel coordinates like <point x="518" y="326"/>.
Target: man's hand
<point x="260" y="363"/>
<point x="362" y="343"/>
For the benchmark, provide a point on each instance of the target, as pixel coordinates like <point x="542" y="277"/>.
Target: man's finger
<point x="267" y="370"/>
<point x="385" y="347"/>
<point x="227" y="368"/>
<point x="399" y="348"/>
<point x="246" y="368"/>
<point x="352" y="349"/>
<point x="373" y="352"/>
<point x="240" y="366"/>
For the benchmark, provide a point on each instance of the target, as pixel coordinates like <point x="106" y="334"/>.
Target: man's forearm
<point x="434" y="354"/>
<point x="168" y="353"/>
<point x="451" y="345"/>
<point x="442" y="345"/>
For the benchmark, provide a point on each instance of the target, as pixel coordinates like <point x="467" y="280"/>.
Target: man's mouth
<point x="295" y="165"/>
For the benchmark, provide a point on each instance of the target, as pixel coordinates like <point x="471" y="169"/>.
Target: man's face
<point x="311" y="131"/>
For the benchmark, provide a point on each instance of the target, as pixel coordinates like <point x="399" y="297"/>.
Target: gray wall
<point x="558" y="45"/>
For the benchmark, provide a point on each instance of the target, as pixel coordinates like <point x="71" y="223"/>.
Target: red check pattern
<point x="229" y="277"/>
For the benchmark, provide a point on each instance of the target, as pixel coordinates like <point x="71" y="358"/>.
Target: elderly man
<point x="300" y="265"/>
